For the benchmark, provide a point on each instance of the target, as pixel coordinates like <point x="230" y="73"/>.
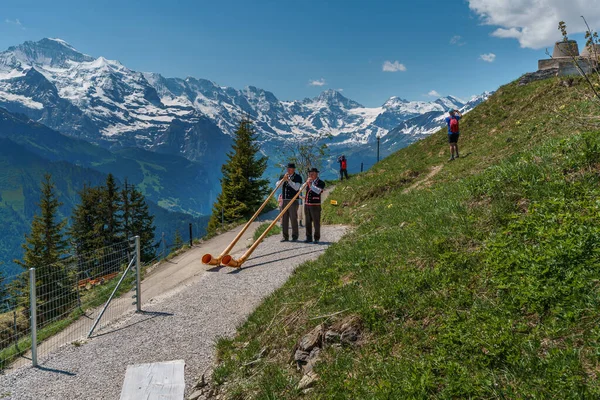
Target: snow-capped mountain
<point x="105" y="102"/>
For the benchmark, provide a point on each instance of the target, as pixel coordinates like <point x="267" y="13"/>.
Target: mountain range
<point x="104" y="102"/>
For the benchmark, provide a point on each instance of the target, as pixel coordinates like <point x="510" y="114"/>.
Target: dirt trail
<point x="425" y="182"/>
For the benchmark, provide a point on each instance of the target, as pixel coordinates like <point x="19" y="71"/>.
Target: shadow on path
<point x="238" y="270"/>
<point x="56" y="371"/>
<point x="150" y="314"/>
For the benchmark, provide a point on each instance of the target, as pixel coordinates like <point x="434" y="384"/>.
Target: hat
<point x="291" y="165"/>
<point x="314" y="170"/>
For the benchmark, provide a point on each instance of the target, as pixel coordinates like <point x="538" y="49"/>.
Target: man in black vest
<point x="312" y="206"/>
<point x="292" y="183"/>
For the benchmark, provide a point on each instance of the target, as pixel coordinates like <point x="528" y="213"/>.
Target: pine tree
<point x="45" y="249"/>
<point x="137" y="219"/>
<point x="178" y="241"/>
<point x="242" y="189"/>
<point x="111" y="212"/>
<point x="126" y="209"/>
<point x="3" y="293"/>
<point x="87" y="222"/>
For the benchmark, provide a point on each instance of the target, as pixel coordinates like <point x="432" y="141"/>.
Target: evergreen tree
<point x="87" y="222"/>
<point x="137" y="219"/>
<point x="126" y="209"/>
<point x="4" y="306"/>
<point x="111" y="212"/>
<point x="45" y="249"/>
<point x="178" y="241"/>
<point x="242" y="189"/>
<point x="97" y="228"/>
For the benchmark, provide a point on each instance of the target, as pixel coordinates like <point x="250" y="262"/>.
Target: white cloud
<point x="317" y="82"/>
<point x="457" y="40"/>
<point x="15" y="22"/>
<point x="395" y="66"/>
<point x="340" y="90"/>
<point x="489" y="57"/>
<point x="434" y="93"/>
<point x="534" y="23"/>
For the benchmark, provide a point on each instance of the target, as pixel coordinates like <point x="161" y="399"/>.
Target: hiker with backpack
<point x="343" y="167"/>
<point x="453" y="132"/>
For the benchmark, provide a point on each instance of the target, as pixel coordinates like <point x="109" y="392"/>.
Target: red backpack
<point x="453" y="125"/>
<point x="343" y="164"/>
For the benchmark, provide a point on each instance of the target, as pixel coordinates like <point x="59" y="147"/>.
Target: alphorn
<point x="208" y="259"/>
<point x="230" y="262"/>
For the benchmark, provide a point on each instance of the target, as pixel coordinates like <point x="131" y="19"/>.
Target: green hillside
<point x="477" y="278"/>
<point x="173" y="182"/>
<point x="178" y="190"/>
<point x="21" y="172"/>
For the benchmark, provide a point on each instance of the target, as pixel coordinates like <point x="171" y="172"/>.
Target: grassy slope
<point x="481" y="281"/>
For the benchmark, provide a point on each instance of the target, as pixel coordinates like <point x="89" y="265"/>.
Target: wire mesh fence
<point x="15" y="327"/>
<point x="68" y="298"/>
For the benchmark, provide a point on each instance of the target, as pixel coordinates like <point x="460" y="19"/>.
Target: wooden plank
<point x="154" y="381"/>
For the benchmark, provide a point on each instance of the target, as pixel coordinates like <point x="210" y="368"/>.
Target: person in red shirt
<point x="312" y="206"/>
<point x="343" y="167"/>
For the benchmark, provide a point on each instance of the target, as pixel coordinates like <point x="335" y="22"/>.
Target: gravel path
<point x="180" y="324"/>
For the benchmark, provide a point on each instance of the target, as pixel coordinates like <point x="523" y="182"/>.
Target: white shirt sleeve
<point x="315" y="188"/>
<point x="295" y="185"/>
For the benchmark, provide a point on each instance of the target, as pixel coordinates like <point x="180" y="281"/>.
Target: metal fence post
<point x="16" y="329"/>
<point x="361" y="167"/>
<point x="164" y="246"/>
<point x="138" y="274"/>
<point x="191" y="238"/>
<point x="33" y="313"/>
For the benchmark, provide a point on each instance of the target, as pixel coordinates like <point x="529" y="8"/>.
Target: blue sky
<point x="283" y="46"/>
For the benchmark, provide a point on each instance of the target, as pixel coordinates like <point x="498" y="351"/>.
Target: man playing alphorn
<point x="289" y="189"/>
<point x="312" y="206"/>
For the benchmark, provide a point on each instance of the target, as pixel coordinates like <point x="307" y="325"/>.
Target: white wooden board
<point x="155" y="381"/>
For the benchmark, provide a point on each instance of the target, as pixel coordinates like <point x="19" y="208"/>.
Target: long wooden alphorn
<point x="208" y="259"/>
<point x="230" y="262"/>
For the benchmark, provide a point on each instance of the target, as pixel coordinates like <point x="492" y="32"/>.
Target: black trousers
<point x="313" y="217"/>
<point x="290" y="214"/>
<point x="343" y="172"/>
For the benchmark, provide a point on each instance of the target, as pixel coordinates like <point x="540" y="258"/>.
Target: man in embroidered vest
<point x="291" y="186"/>
<point x="312" y="206"/>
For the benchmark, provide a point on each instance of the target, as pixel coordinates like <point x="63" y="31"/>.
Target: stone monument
<point x="565" y="61"/>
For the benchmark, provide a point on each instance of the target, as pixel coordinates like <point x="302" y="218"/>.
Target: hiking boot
<point x="451" y="158"/>
<point x="316" y="242"/>
<point x="308" y="240"/>
<point x="284" y="240"/>
<point x="457" y="156"/>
